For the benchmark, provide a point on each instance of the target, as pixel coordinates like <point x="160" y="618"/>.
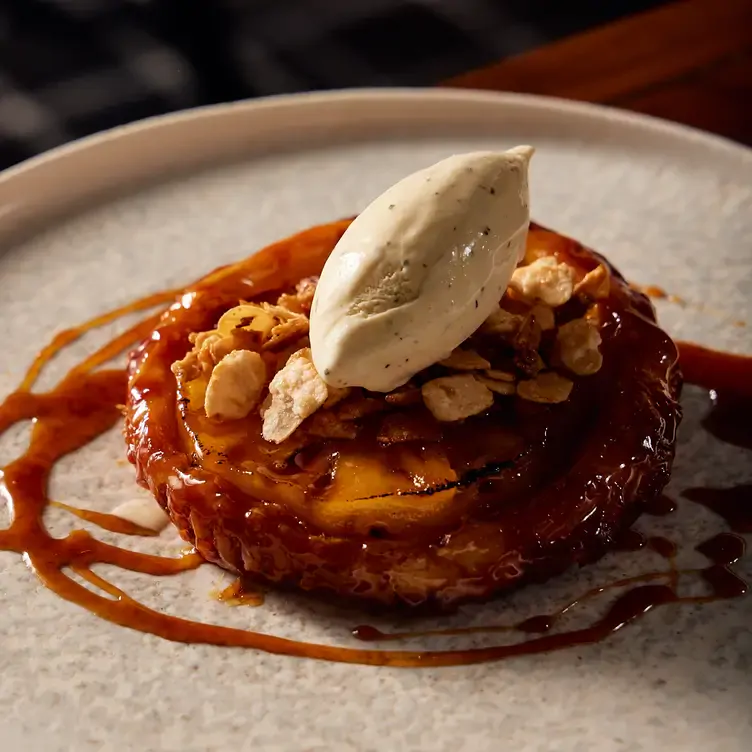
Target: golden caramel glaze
<point x="83" y="406"/>
<point x="86" y="403"/>
<point x="537" y="487"/>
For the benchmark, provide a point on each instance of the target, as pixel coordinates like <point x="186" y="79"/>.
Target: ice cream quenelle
<point x="420" y="269"/>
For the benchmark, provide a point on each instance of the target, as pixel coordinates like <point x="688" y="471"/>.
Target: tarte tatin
<point x="526" y="451"/>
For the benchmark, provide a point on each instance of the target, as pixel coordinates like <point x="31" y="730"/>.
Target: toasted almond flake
<point x="262" y="317"/>
<point x="336" y="395"/>
<point x="286" y="332"/>
<point x="278" y="311"/>
<point x="499" y="387"/>
<point x="502" y="323"/>
<point x="497" y="375"/>
<point x="209" y="348"/>
<point x="297" y="391"/>
<point x="246" y="316"/>
<point x="465" y="360"/>
<point x="546" y="279"/>
<point x="544" y="316"/>
<point x="453" y="398"/>
<point x="404" y="395"/>
<point x="596" y="284"/>
<point x="547" y="387"/>
<point x="577" y="347"/>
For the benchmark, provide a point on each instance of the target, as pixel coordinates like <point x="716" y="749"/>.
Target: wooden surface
<point x="688" y="61"/>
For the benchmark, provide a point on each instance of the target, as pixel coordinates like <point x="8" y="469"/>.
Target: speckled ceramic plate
<point x="93" y="225"/>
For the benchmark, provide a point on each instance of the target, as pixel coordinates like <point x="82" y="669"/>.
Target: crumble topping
<point x="296" y="392"/>
<point x="497" y="375"/>
<point x="465" y="360"/>
<point x="452" y="398"/>
<point x="547" y="387"/>
<point x="302" y="299"/>
<point x="546" y="279"/>
<point x="497" y="385"/>
<point x="258" y="358"/>
<point x="596" y="284"/>
<point x="235" y="385"/>
<point x="577" y="344"/>
<point x="544" y="316"/>
<point x="502" y="322"/>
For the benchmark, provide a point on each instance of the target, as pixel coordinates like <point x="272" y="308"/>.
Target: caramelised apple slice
<point x="388" y="492"/>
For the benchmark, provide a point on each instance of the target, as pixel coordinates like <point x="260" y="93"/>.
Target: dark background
<point x="72" y="67"/>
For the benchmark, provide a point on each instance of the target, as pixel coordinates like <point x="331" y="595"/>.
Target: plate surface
<point x="91" y="226"/>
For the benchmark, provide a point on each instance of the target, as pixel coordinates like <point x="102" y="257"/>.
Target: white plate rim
<point x="538" y="102"/>
<point x="48" y="184"/>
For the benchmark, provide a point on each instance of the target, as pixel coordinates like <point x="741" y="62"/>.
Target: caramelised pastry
<point x="524" y="448"/>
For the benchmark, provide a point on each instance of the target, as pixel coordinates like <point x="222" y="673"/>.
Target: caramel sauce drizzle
<point x="110" y="522"/>
<point x="241" y="592"/>
<point x="84" y="405"/>
<point x="653" y="291"/>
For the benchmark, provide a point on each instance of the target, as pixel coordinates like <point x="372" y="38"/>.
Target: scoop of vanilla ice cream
<point x="420" y="269"/>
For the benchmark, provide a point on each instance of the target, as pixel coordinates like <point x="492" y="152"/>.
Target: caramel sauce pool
<point x="85" y="403"/>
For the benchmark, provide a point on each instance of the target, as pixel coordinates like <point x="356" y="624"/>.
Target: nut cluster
<point x="259" y="356"/>
<point x="526" y="316"/>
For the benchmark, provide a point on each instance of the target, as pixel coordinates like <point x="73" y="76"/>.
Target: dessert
<point x="520" y="441"/>
<point x="527" y="446"/>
